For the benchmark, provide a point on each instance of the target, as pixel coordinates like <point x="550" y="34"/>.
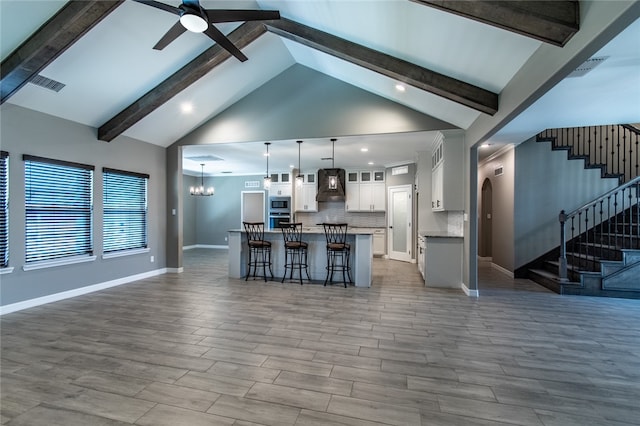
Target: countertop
<point x="439" y="234"/>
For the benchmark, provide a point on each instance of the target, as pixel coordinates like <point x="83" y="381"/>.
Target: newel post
<point x="562" y="261"/>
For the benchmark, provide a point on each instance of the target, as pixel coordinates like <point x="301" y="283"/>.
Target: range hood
<point x="324" y="192"/>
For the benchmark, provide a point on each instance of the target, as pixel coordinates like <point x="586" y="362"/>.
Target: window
<point x="58" y="205"/>
<point x="125" y="210"/>
<point x="4" y="209"/>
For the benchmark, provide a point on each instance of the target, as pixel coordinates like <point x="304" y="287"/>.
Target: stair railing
<point x="614" y="148"/>
<point x="613" y="219"/>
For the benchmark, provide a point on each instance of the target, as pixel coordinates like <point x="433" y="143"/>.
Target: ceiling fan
<point x="195" y="18"/>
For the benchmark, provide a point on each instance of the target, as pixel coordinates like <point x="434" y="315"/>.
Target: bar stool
<point x="295" y="251"/>
<point x="338" y="251"/>
<point x="259" y="249"/>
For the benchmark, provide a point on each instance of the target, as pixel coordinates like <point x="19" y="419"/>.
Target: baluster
<point x="562" y="262"/>
<point x="613" y="129"/>
<point x="615" y="216"/>
<point x="600" y="229"/>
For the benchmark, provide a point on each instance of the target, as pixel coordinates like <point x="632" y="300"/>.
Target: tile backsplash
<point x="334" y="211"/>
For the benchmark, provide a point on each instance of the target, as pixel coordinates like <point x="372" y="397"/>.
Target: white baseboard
<point x="175" y="270"/>
<point x="14" y="307"/>
<point x="206" y="246"/>
<point x="503" y="270"/>
<point x="470" y="293"/>
<point x="485" y="259"/>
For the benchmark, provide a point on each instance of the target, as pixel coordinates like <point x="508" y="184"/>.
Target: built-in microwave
<point x="279" y="204"/>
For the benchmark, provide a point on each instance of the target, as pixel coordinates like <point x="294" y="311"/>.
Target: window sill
<point x="6" y="270"/>
<point x="59" y="262"/>
<point x="125" y="253"/>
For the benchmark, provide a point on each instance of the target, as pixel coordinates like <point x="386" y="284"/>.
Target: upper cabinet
<point x="365" y="191"/>
<point x="305" y="199"/>
<point x="447" y="174"/>
<point x="280" y="184"/>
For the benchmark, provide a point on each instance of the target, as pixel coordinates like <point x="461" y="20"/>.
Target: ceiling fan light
<point x="193" y="22"/>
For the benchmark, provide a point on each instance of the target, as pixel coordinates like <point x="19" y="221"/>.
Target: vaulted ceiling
<point x="453" y="58"/>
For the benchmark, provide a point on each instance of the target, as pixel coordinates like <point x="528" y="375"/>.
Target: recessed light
<point x="400" y="87"/>
<point x="364" y="149"/>
<point x="370" y="163"/>
<point x="291" y="166"/>
<point x="186" y="107"/>
<point x="485" y="145"/>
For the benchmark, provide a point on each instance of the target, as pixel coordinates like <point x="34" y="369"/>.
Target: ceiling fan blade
<point x="161" y="6"/>
<point x="225" y="43"/>
<point x="194" y="3"/>
<point x="216" y="15"/>
<point x="170" y="35"/>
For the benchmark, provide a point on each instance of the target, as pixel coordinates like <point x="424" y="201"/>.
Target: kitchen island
<point x="361" y="254"/>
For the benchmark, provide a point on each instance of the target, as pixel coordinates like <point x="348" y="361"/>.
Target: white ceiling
<point x="114" y="64"/>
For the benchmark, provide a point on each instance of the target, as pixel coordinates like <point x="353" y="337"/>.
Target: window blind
<point x="4" y="209"/>
<point x="58" y="205"/>
<point x="125" y="210"/>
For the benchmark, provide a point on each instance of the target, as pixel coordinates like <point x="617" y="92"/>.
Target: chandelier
<point x="201" y="190"/>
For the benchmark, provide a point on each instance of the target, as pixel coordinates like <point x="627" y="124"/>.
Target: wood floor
<point x="198" y="348"/>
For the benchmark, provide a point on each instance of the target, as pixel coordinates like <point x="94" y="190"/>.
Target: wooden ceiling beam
<point x="180" y="80"/>
<point x="50" y="41"/>
<point x="455" y="90"/>
<point x="553" y="22"/>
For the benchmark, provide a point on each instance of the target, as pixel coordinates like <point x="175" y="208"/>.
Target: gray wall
<point x="502" y="248"/>
<point x="545" y="183"/>
<point x="207" y="219"/>
<point x="28" y="132"/>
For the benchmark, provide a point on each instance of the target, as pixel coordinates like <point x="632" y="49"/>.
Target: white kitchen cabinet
<point x="378" y="242"/>
<point x="447" y="173"/>
<point x="281" y="184"/>
<point x="365" y="191"/>
<point x="306" y="194"/>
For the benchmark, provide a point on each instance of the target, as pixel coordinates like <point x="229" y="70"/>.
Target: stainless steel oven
<point x="279" y="211"/>
<point x="276" y="220"/>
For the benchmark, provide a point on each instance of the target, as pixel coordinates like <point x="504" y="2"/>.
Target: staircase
<point x="599" y="251"/>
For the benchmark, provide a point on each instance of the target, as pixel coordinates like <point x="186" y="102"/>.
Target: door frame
<point x="406" y="256"/>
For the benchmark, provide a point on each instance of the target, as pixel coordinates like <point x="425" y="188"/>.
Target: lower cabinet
<point x="378" y="242"/>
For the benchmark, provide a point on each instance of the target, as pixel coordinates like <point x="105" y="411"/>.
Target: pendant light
<point x="333" y="176"/>
<point x="200" y="190"/>
<point x="300" y="177"/>
<point x="267" y="178"/>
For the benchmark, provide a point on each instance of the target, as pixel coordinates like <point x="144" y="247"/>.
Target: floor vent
<point x="47" y="83"/>
<point x="587" y="66"/>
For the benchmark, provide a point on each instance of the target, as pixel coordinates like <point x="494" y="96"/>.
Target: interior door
<point x="400" y="220"/>
<point x="252" y="206"/>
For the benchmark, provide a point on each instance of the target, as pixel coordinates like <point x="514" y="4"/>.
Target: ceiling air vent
<point x="47" y="83"/>
<point x="587" y="66"/>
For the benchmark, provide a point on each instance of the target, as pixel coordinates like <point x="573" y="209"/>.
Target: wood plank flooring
<point x="198" y="348"/>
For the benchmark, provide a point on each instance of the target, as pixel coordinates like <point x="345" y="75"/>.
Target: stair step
<point x="553" y="282"/>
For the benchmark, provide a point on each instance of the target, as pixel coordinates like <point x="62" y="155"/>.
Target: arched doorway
<point x="486" y="214"/>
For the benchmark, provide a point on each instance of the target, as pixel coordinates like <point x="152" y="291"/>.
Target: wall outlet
<point x="153" y="259"/>
<point x="226" y="238"/>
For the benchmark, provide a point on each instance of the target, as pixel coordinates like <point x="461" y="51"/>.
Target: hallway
<point x="198" y="348"/>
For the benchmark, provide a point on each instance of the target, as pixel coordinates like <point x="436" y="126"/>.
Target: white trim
<point x="122" y="253"/>
<point x="174" y="270"/>
<point x="470" y="293"/>
<point x="497" y="154"/>
<point x="503" y="270"/>
<point x="60" y="262"/>
<point x="7" y="309"/>
<point x="205" y="246"/>
<point x="6" y="270"/>
<point x="485" y="259"/>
